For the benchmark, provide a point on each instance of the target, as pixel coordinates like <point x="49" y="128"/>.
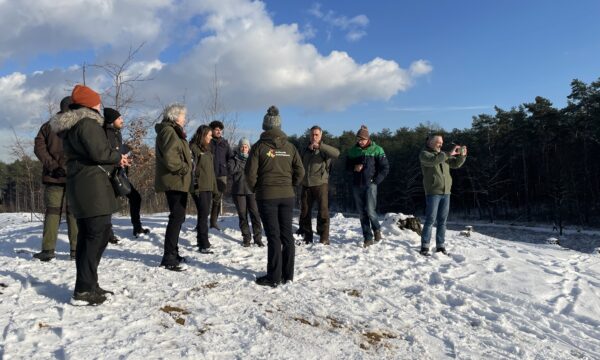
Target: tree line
<point x="533" y="162"/>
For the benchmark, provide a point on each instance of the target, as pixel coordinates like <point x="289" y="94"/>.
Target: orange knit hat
<point x="85" y="96"/>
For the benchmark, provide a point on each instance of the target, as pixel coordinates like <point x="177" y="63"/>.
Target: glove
<point x="59" y="172"/>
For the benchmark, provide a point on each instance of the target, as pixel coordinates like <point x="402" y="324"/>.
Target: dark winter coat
<point x="375" y="164"/>
<point x="236" y="166"/>
<point x="274" y="167"/>
<point x="203" y="176"/>
<point x="115" y="138"/>
<point x="317" y="164"/>
<point x="173" y="158"/>
<point x="85" y="145"/>
<point x="435" y="167"/>
<point x="221" y="153"/>
<point x="49" y="150"/>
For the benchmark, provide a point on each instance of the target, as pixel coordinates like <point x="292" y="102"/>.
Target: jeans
<point x="437" y="208"/>
<point x="365" y="198"/>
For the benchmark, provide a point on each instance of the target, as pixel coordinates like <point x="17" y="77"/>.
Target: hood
<point x="274" y="138"/>
<point x="64" y="121"/>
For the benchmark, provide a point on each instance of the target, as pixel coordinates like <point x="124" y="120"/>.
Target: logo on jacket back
<point x="272" y="153"/>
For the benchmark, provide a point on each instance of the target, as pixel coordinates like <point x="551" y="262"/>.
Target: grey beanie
<point x="272" y="120"/>
<point x="243" y="141"/>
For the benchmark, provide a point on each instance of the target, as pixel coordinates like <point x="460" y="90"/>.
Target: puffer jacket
<point x="375" y="164"/>
<point x="435" y="167"/>
<point x="274" y="167"/>
<point x="89" y="190"/>
<point x="173" y="158"/>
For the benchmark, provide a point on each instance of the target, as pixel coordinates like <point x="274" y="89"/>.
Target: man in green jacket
<point x="437" y="182"/>
<point x="273" y="169"/>
<point x="316" y="158"/>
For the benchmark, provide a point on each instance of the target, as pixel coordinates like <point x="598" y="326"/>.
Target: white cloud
<point x="258" y="62"/>
<point x="355" y="26"/>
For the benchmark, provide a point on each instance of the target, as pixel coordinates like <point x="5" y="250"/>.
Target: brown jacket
<point x="49" y="149"/>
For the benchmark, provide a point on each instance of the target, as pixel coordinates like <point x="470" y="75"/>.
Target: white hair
<point x="173" y="111"/>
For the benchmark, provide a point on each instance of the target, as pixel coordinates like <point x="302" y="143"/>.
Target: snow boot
<point x="425" y="252"/>
<point x="368" y="243"/>
<point x="89" y="297"/>
<point x="113" y="239"/>
<point x="377" y="235"/>
<point x="266" y="281"/>
<point x="442" y="250"/>
<point x="140" y="231"/>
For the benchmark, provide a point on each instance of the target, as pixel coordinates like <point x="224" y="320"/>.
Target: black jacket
<point x="221" y="155"/>
<point x="236" y="166"/>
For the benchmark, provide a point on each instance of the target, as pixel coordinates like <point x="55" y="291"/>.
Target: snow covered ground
<point x="493" y="297"/>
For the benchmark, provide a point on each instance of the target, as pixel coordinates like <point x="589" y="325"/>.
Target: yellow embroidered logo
<point x="271" y="153"/>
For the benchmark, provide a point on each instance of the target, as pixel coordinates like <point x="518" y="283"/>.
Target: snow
<point x="495" y="297"/>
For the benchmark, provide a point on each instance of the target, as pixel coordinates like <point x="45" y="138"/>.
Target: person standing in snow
<point x="369" y="166"/>
<point x="204" y="183"/>
<point x="221" y="155"/>
<point x="437" y="182"/>
<point x="113" y="123"/>
<point x="49" y="150"/>
<point x="173" y="177"/>
<point x="274" y="168"/>
<point x="243" y="198"/>
<point x="316" y="158"/>
<point x="89" y="190"/>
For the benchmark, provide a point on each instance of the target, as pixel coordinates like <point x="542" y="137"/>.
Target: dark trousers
<point x="246" y="204"/>
<point x="92" y="239"/>
<point x="135" y="203"/>
<point x="177" y="201"/>
<point x="276" y="215"/>
<point x="308" y="196"/>
<point x="202" y="201"/>
<point x="217" y="198"/>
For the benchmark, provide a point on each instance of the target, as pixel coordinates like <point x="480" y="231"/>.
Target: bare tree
<point x="32" y="188"/>
<point x="215" y="109"/>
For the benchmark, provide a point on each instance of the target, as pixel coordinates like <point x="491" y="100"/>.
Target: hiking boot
<point x="140" y="231"/>
<point x="102" y="291"/>
<point x="377" y="235"/>
<point x="181" y="259"/>
<point x="73" y="255"/>
<point x="425" y="252"/>
<point x="368" y="243"/>
<point x="324" y="240"/>
<point x="205" y="251"/>
<point x="45" y="255"/>
<point x="177" y="268"/>
<point x="113" y="239"/>
<point x="90" y="297"/>
<point x="246" y="243"/>
<point x="266" y="281"/>
<point x="308" y="238"/>
<point x="258" y="242"/>
<point x="215" y="226"/>
<point x="442" y="250"/>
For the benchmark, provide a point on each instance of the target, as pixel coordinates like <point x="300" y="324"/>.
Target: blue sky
<point x="440" y="62"/>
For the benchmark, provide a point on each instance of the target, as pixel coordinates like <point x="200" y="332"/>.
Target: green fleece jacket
<point x="317" y="164"/>
<point x="436" y="170"/>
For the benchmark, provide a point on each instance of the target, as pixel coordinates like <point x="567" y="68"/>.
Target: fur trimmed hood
<point x="64" y="121"/>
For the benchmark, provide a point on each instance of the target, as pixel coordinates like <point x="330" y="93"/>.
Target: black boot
<point x="140" y="231"/>
<point x="113" y="239"/>
<point x="90" y="297"/>
<point x="425" y="252"/>
<point x="45" y="255"/>
<point x="265" y="281"/>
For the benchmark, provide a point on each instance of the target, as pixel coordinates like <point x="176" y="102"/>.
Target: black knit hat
<point x="110" y="115"/>
<point x="216" y="124"/>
